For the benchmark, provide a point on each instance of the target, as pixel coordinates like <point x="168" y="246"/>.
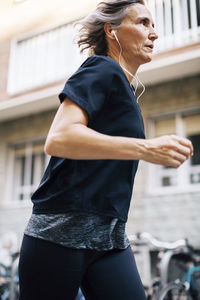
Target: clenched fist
<point x="168" y="150"/>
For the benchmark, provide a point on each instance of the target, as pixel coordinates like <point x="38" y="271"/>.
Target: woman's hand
<point x="168" y="150"/>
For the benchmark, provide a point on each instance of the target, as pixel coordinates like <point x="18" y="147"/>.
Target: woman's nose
<point x="153" y="35"/>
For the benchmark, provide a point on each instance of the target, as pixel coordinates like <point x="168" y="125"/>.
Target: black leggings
<point x="48" y="271"/>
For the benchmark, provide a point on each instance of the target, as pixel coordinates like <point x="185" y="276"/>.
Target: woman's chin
<point x="147" y="59"/>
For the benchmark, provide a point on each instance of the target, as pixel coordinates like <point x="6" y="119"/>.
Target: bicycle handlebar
<point x="145" y="236"/>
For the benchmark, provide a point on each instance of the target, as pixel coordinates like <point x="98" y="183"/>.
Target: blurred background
<point x="38" y="54"/>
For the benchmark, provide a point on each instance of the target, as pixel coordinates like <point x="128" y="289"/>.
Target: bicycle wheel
<point x="174" y="291"/>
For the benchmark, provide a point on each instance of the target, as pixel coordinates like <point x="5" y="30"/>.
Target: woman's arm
<point x="69" y="137"/>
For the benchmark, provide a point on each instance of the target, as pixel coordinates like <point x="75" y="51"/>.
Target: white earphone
<point x="115" y="35"/>
<point x="135" y="77"/>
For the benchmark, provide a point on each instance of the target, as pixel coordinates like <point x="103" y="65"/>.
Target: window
<point x="188" y="175"/>
<point x="167" y="176"/>
<point x="192" y="129"/>
<point x="29" y="162"/>
<point x="195" y="139"/>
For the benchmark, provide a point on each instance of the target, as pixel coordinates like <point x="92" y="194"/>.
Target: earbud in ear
<point x="115" y="35"/>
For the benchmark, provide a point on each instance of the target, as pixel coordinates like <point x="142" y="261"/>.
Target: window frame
<point x="184" y="185"/>
<point x="10" y="201"/>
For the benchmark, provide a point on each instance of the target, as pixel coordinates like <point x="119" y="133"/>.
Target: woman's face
<point x="137" y="34"/>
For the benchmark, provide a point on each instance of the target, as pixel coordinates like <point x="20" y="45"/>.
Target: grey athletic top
<point x="79" y="230"/>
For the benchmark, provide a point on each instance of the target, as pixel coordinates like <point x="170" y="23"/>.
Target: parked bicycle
<point x="184" y="265"/>
<point x="178" y="268"/>
<point x="9" y="281"/>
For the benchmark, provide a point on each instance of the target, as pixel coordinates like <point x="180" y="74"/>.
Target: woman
<point x="76" y="235"/>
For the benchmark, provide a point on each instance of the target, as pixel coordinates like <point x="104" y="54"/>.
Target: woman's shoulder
<point x="101" y="61"/>
<point x="98" y="68"/>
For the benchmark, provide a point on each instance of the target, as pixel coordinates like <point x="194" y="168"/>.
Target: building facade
<point x="38" y="56"/>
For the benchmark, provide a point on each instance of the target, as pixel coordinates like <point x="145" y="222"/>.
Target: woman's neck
<point x="129" y="68"/>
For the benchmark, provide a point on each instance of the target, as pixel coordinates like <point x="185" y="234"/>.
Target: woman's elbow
<point x="48" y="147"/>
<point x="55" y="145"/>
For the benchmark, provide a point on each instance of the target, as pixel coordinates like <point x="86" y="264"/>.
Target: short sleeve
<point x="90" y="85"/>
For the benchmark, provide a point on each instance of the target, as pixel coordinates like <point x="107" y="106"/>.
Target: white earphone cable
<point x="143" y="88"/>
<point x="134" y="77"/>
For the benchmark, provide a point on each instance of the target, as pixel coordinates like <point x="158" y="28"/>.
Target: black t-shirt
<point x="104" y="187"/>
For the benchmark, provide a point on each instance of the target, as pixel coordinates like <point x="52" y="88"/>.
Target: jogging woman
<point x="76" y="234"/>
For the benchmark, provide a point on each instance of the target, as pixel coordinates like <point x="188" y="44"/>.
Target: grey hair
<point x="91" y="33"/>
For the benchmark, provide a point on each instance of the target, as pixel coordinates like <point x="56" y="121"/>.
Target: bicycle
<point x="4" y="282"/>
<point x="175" y="291"/>
<point x="179" y="269"/>
<point x="187" y="263"/>
<point x="165" y="252"/>
<point x="9" y="282"/>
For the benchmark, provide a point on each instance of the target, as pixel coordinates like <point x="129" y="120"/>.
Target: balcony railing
<point x="42" y="59"/>
<point x="177" y="22"/>
<point x="50" y="56"/>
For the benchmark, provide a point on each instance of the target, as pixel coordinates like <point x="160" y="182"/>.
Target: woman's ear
<point x="109" y="31"/>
